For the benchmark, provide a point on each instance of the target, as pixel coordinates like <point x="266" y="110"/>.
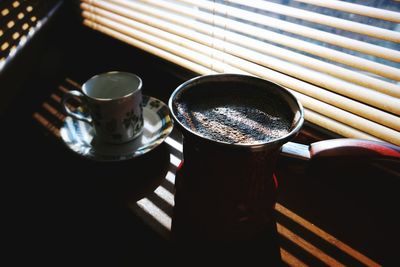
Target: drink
<point x="235" y="118"/>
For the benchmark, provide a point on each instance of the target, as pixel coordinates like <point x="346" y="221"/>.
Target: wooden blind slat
<point x="372" y="12"/>
<point x="151" y="49"/>
<point x="198" y="38"/>
<point x="205" y="37"/>
<point x="386" y="87"/>
<point x="319" y="35"/>
<point x="322" y="19"/>
<point x="165" y="45"/>
<point x="364" y="94"/>
<point x="257" y="32"/>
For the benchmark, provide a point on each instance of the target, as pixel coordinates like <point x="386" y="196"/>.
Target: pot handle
<point x="342" y="148"/>
<point x="361" y="149"/>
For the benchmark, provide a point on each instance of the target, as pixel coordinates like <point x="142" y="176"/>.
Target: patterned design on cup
<point x="114" y="102"/>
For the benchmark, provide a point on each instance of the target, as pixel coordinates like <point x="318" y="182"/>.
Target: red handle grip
<point x="357" y="148"/>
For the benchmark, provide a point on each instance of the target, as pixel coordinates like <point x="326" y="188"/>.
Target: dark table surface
<point x="339" y="215"/>
<point x="58" y="203"/>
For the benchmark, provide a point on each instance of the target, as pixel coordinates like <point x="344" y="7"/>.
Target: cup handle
<point x="77" y="95"/>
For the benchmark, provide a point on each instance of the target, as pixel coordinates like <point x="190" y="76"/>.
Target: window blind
<point x="346" y="73"/>
<point x="19" y="20"/>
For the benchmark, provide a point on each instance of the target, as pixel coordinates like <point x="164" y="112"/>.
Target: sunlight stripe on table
<point x="170" y="177"/>
<point x="56" y="98"/>
<point x="165" y="195"/>
<point x="47" y="124"/>
<point x="155" y="212"/>
<point x="175" y="144"/>
<point x="72" y="82"/>
<point x="291" y="260"/>
<point x="307" y="246"/>
<point x="174" y="160"/>
<point x="52" y="110"/>
<point x="63" y="89"/>
<point x="325" y="236"/>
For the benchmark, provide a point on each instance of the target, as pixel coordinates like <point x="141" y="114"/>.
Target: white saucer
<point x="78" y="135"/>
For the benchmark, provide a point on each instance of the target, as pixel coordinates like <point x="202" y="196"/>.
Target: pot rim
<point x="298" y="116"/>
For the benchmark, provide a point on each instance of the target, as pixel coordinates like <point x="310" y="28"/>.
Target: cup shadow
<point x="131" y="180"/>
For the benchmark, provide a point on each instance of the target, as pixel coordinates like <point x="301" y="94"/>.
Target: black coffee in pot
<point x="226" y="187"/>
<point x="232" y="114"/>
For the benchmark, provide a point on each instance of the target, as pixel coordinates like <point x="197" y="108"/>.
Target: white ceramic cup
<point x="113" y="101"/>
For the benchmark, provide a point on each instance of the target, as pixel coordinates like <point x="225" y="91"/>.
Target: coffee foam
<point x="235" y="119"/>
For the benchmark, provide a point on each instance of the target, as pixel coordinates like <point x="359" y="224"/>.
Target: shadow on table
<point x="75" y="205"/>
